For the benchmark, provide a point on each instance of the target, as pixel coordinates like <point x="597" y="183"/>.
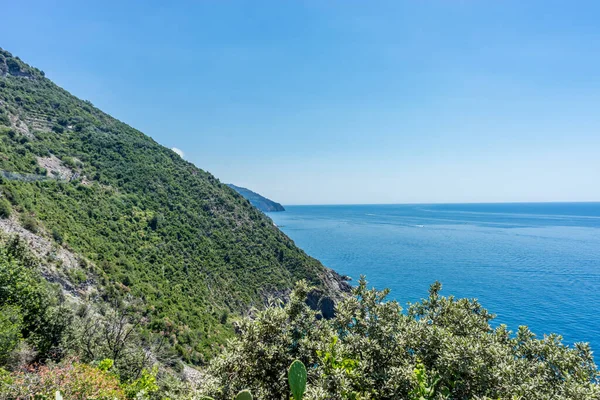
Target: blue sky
<point x="319" y="102"/>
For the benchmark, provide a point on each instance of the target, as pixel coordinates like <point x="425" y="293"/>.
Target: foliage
<point x="110" y="334"/>
<point x="152" y="225"/>
<point x="297" y="379"/>
<point x="144" y="386"/>
<point x="244" y="395"/>
<point x="259" y="358"/>
<point x="426" y="387"/>
<point x="29" y="303"/>
<point x="11" y="321"/>
<point x="30" y="223"/>
<point x="106" y="364"/>
<point x="74" y="381"/>
<point x="5" y="209"/>
<point x="440" y="348"/>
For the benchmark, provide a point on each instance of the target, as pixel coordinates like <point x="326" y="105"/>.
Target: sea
<point x="534" y="264"/>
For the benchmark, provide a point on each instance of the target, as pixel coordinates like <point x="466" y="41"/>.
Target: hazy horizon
<point x="329" y="102"/>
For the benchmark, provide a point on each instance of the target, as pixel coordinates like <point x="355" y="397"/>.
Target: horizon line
<point x="444" y="203"/>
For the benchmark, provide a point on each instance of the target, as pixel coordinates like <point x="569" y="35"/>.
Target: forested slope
<point x="141" y="221"/>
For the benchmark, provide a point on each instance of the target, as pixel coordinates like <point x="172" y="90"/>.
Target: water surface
<point x="530" y="264"/>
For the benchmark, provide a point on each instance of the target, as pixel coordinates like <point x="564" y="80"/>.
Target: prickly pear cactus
<point x="297" y="379"/>
<point x="244" y="395"/>
<point x="58" y="396"/>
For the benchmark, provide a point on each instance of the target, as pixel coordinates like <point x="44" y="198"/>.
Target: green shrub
<point x="45" y="323"/>
<point x="440" y="348"/>
<point x="57" y="236"/>
<point x="30" y="223"/>
<point x="11" y="320"/>
<point x="69" y="162"/>
<point x="74" y="381"/>
<point x="144" y="386"/>
<point x="76" y="276"/>
<point x="5" y="209"/>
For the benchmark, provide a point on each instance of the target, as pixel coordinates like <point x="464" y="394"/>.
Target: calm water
<point x="530" y="264"/>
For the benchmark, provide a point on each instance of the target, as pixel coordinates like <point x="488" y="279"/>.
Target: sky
<point x="342" y="102"/>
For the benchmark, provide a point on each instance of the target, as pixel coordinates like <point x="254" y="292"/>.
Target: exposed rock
<point x="59" y="257"/>
<point x="20" y="126"/>
<point x="55" y="167"/>
<point x="336" y="288"/>
<point x="322" y="300"/>
<point x="10" y="66"/>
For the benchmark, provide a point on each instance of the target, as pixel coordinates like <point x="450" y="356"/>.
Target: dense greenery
<point x="441" y="348"/>
<point x="147" y="223"/>
<point x="30" y="309"/>
<point x="84" y="349"/>
<point x="258" y="201"/>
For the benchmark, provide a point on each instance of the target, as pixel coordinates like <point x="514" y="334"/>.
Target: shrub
<point x="74" y="380"/>
<point x="30" y="223"/>
<point x="144" y="386"/>
<point x="5" y="209"/>
<point x="69" y="162"/>
<point x="76" y="276"/>
<point x="57" y="236"/>
<point x="44" y="322"/>
<point x="11" y="320"/>
<point x="440" y="348"/>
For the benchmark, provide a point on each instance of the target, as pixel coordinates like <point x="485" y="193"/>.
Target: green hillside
<point x="258" y="201"/>
<point x="142" y="222"/>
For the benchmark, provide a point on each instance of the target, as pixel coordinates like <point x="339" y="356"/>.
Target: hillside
<point x="119" y="216"/>
<point x="258" y="201"/>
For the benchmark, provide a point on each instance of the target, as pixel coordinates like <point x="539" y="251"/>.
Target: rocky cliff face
<point x="11" y="66"/>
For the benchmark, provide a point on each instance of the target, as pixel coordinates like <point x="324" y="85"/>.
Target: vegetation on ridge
<point x="441" y="348"/>
<point x="144" y="222"/>
<point x="258" y="201"/>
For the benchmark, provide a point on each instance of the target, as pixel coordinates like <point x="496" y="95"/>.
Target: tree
<point x="442" y="348"/>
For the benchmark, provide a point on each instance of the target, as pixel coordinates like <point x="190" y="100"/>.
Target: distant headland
<point x="258" y="201"/>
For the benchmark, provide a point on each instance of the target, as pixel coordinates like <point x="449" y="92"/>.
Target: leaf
<point x="244" y="395"/>
<point x="297" y="379"/>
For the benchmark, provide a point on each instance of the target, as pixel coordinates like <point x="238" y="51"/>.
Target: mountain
<point x="258" y="201"/>
<point x="119" y="217"/>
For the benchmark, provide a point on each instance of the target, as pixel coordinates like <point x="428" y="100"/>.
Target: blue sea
<point x="534" y="264"/>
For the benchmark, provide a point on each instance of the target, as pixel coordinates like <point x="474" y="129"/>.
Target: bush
<point x="76" y="276"/>
<point x="441" y="348"/>
<point x="44" y="323"/>
<point x="10" y="331"/>
<point x="74" y="380"/>
<point x="5" y="209"/>
<point x="30" y="223"/>
<point x="69" y="162"/>
<point x="57" y="236"/>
